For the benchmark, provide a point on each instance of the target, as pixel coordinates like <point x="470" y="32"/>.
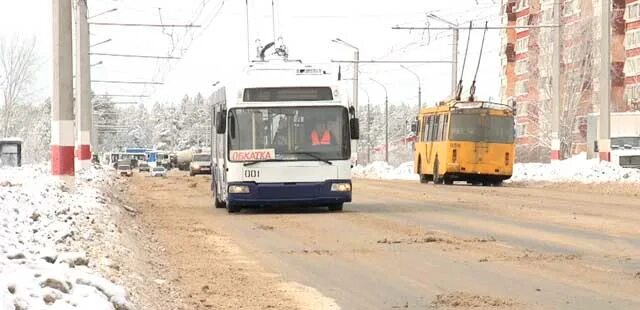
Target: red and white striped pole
<point x="62" y="100"/>
<point x="83" y="87"/>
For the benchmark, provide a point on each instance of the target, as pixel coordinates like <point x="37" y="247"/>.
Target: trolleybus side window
<point x="427" y="127"/>
<point x="444" y="126"/>
<point x="434" y="128"/>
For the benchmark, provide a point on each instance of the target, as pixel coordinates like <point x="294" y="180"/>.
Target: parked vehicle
<point x="183" y="159"/>
<point x="158" y="172"/>
<point x="163" y="159"/>
<point x="125" y="170"/>
<point x="144" y="167"/>
<point x="201" y="164"/>
<point x="10" y="152"/>
<point x="123" y="162"/>
<point x="624" y="138"/>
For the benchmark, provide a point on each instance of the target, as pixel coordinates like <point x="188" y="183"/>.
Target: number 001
<point x="251" y="174"/>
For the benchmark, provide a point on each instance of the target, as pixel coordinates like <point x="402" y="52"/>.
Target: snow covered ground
<point x="576" y="169"/>
<point x="47" y="232"/>
<point x="384" y="171"/>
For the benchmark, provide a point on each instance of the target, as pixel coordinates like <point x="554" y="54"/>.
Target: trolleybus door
<point x="482" y="144"/>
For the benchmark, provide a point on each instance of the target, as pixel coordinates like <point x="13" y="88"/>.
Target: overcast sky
<point x="218" y="50"/>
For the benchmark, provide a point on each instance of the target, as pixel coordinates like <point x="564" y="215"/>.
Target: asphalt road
<point x="402" y="244"/>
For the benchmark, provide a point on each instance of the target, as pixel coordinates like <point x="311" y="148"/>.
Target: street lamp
<point x="419" y="86"/>
<point x="356" y="65"/>
<point x="386" y="120"/>
<point x="368" y="125"/>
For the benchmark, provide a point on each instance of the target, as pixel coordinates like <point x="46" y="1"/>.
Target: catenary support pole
<point x="386" y="120"/>
<point x="454" y="62"/>
<point x="83" y="88"/>
<point x="356" y="68"/>
<point x="555" y="110"/>
<point x="386" y="127"/>
<point x="604" y="141"/>
<point x="62" y="127"/>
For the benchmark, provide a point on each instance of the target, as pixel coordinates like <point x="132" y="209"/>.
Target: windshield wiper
<point x="250" y="163"/>
<point x="316" y="157"/>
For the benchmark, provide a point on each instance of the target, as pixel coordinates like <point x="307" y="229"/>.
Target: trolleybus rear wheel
<point x="437" y="179"/>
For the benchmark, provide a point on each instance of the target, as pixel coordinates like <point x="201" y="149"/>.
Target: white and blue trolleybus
<point x="282" y="136"/>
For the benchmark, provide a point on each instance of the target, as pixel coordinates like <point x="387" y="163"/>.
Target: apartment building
<point x="527" y="55"/>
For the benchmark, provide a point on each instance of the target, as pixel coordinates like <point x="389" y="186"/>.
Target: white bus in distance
<point x="283" y="139"/>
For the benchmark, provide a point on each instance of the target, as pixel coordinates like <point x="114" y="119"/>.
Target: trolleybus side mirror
<point x="220" y="122"/>
<point x="354" y="126"/>
<point x="232" y="126"/>
<point x="414" y="126"/>
<point x="352" y="111"/>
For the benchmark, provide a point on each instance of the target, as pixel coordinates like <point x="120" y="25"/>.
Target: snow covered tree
<point x="372" y="132"/>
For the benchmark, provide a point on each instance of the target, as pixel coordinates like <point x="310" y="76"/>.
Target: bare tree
<point x="577" y="83"/>
<point x="18" y="67"/>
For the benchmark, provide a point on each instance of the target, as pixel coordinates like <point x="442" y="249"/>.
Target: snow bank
<point x="576" y="169"/>
<point x="46" y="227"/>
<point x="384" y="171"/>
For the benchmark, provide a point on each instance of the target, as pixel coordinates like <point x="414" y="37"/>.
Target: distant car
<point x="200" y="164"/>
<point x="158" y="172"/>
<point x="143" y="166"/>
<point x="125" y="170"/>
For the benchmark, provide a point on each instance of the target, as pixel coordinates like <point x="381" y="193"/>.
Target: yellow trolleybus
<point x="465" y="141"/>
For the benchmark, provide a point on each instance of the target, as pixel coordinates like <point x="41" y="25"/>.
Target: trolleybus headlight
<point x="340" y="187"/>
<point x="196" y="166"/>
<point x="238" y="189"/>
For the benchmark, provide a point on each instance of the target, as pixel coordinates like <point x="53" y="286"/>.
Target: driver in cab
<point x="320" y="135"/>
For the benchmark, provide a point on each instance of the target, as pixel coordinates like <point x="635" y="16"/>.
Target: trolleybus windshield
<point x="288" y="133"/>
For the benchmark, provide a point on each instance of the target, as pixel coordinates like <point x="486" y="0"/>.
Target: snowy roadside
<point x="51" y="237"/>
<point x="383" y="171"/>
<point x="577" y="169"/>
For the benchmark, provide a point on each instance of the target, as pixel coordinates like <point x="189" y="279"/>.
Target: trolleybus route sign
<point x="253" y="155"/>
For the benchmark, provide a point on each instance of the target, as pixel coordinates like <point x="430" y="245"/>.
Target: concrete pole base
<point x="62" y="149"/>
<point x="555" y="150"/>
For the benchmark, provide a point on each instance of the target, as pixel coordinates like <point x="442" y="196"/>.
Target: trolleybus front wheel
<point x="336" y="207"/>
<point x="218" y="204"/>
<point x="424" y="178"/>
<point x="233" y="208"/>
